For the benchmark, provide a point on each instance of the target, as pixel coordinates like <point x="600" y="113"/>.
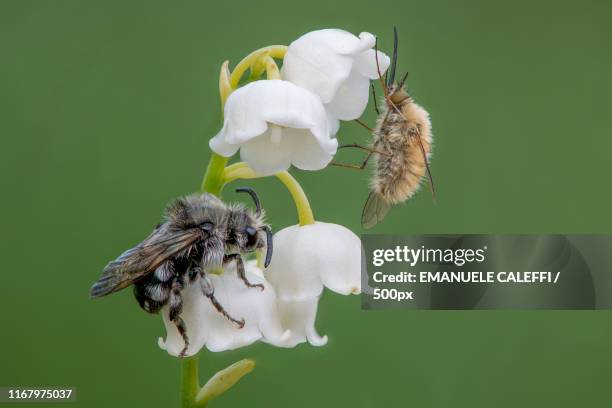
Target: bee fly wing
<point x="374" y="210"/>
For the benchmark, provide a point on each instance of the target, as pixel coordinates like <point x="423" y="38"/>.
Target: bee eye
<point x="251" y="232"/>
<point x="207" y="226"/>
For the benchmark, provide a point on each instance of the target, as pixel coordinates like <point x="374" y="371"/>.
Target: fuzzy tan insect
<point x="403" y="136"/>
<point x="402" y="141"/>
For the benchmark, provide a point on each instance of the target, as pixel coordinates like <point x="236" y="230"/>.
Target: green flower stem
<point x="192" y="396"/>
<point x="189" y="381"/>
<point x="274" y="51"/>
<point x="212" y="182"/>
<point x="272" y="71"/>
<point x="256" y="70"/>
<point x="302" y="205"/>
<point x="213" y="178"/>
<point x="225" y="87"/>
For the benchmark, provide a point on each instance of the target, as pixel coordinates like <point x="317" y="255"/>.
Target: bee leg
<point x="209" y="291"/>
<point x="175" y="309"/>
<point x="240" y="269"/>
<point x="193" y="272"/>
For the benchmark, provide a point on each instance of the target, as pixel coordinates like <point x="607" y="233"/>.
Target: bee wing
<point x="374" y="210"/>
<point x="143" y="258"/>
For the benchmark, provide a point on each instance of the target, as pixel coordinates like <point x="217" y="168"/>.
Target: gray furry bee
<point x="403" y="141"/>
<point x="200" y="232"/>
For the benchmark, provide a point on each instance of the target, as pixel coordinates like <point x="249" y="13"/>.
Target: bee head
<point x="247" y="230"/>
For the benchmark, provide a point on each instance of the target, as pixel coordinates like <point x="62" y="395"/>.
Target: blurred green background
<point x="106" y="108"/>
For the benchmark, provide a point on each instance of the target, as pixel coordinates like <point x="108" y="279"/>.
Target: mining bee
<point x="200" y="232"/>
<point x="402" y="140"/>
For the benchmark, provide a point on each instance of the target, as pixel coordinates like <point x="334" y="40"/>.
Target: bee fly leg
<point x="175" y="309"/>
<point x="371" y="150"/>
<point x="415" y="132"/>
<point x="209" y="291"/>
<point x="354" y="166"/>
<point x="374" y="99"/>
<point x="363" y="125"/>
<point x="240" y="269"/>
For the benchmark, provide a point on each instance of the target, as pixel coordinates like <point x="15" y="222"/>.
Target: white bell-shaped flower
<point x="276" y="124"/>
<point x="307" y="258"/>
<point x="337" y="66"/>
<point x="299" y="317"/>
<point x="207" y="327"/>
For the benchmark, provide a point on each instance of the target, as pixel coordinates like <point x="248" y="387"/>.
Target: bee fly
<point x="200" y="232"/>
<point x="403" y="141"/>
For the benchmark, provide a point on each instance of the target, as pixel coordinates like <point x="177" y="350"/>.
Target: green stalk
<point x="192" y="396"/>
<point x="213" y="178"/>
<point x="189" y="381"/>
<point x="242" y="170"/>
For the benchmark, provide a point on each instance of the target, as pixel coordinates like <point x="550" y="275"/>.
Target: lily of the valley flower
<point x="207" y="327"/>
<point x="275" y="124"/>
<point x="307" y="258"/>
<point x="337" y="66"/>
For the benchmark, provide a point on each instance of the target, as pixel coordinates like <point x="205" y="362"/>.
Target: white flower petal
<point x="331" y="63"/>
<point x="366" y="41"/>
<point x="318" y="70"/>
<point x="207" y="327"/>
<point x="262" y="117"/>
<point x="289" y="271"/>
<point x="342" y="271"/>
<point x="334" y="124"/>
<point x="308" y="257"/>
<point x="299" y="318"/>
<point x="365" y="64"/>
<point x="266" y="156"/>
<point x="220" y="146"/>
<point x="351" y="99"/>
<point x="365" y="277"/>
<point x="307" y="153"/>
<point x="250" y="109"/>
<point x="336" y="40"/>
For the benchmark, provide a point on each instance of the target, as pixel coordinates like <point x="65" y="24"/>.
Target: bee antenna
<point x="269" y="241"/>
<point x="403" y="81"/>
<point x="253" y="195"/>
<point x="391" y="78"/>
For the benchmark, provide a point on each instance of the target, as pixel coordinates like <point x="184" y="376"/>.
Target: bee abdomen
<point x="151" y="293"/>
<point x="165" y="271"/>
<point x="146" y="303"/>
<point x="156" y="292"/>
